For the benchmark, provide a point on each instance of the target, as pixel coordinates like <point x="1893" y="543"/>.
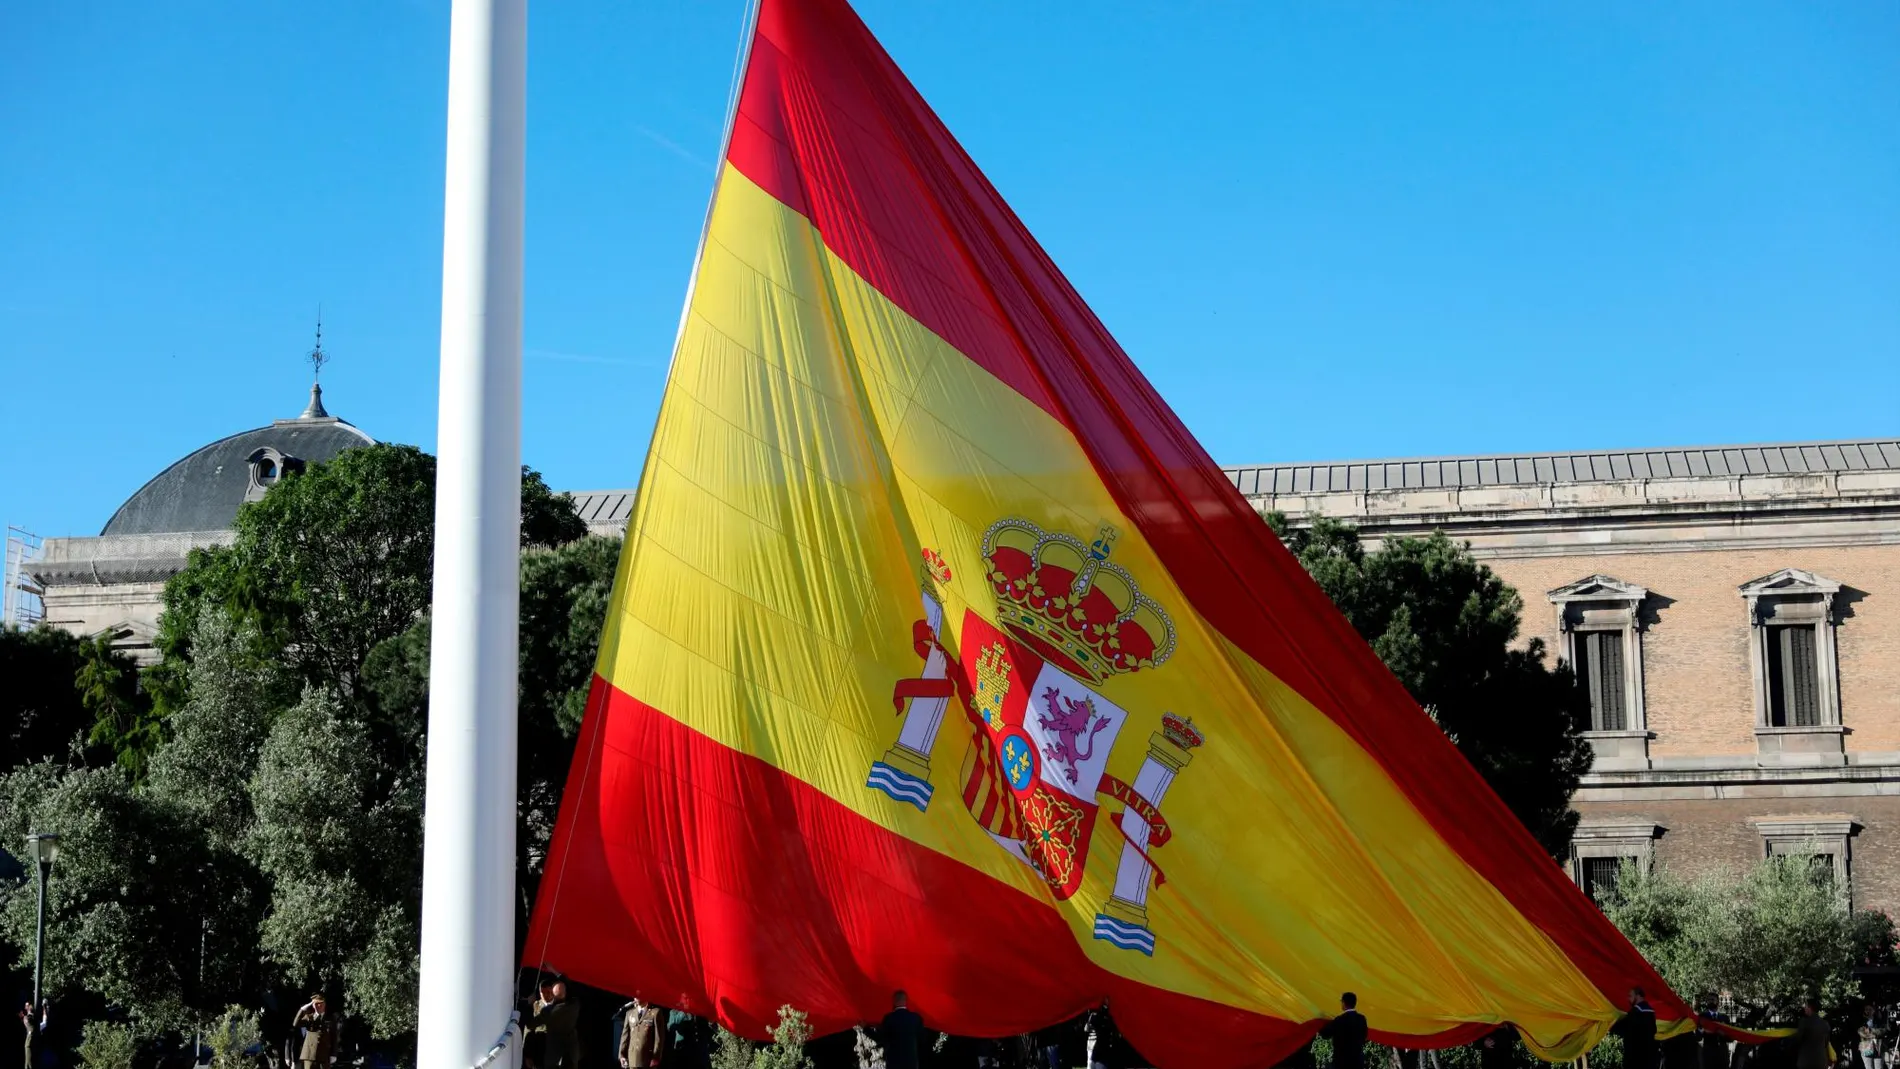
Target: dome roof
<point x="202" y="492"/>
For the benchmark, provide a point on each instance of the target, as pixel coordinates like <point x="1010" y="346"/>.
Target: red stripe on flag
<point x="651" y="889"/>
<point x="829" y="126"/>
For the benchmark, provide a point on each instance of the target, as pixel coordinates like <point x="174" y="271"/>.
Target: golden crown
<point x="1064" y="598"/>
<point x="1181" y="731"/>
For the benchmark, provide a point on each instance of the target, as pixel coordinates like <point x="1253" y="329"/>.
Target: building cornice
<point x="1622" y="520"/>
<point x="107" y="560"/>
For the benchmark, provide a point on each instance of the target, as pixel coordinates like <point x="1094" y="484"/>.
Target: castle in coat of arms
<point x="1035" y="777"/>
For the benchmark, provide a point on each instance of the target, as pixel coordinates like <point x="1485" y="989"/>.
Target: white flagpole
<point x="468" y="865"/>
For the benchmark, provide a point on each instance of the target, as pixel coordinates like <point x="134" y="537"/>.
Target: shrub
<point x="108" y="1046"/>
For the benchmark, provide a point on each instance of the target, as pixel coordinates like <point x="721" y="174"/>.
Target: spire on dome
<point x="317" y="358"/>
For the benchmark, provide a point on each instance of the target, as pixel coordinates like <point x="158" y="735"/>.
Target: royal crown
<point x="1064" y="598"/>
<point x="1181" y="731"/>
<point x="935" y="573"/>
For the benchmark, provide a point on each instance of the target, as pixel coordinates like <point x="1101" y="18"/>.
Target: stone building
<point x="1735" y="610"/>
<point x="113" y="581"/>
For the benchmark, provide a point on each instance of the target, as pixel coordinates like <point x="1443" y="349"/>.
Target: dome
<point x="203" y="491"/>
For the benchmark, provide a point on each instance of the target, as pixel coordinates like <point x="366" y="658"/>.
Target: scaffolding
<point x="22" y="600"/>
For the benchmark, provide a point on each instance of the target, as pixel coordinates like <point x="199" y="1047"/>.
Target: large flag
<point x="942" y="658"/>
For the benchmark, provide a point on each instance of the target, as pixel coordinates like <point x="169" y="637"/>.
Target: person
<point x="1872" y="1054"/>
<point x="1348" y="1033"/>
<point x="1099" y="1028"/>
<point x="1811" y="1038"/>
<point x="557" y="1018"/>
<point x="1637" y="1030"/>
<point x="688" y="1040"/>
<point x="642" y="1036"/>
<point x="1494" y="1050"/>
<point x="1682" y="1051"/>
<point x="1049" y="1046"/>
<point x="901" y="1033"/>
<point x="1715" y="1045"/>
<point x="315" y="1028"/>
<point x="35" y="1024"/>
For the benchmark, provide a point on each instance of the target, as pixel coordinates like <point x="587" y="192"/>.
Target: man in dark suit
<point x="901" y="1033"/>
<point x="1637" y="1030"/>
<point x="1348" y="1033"/>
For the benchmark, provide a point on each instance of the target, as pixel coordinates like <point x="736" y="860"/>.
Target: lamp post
<point x="44" y="847"/>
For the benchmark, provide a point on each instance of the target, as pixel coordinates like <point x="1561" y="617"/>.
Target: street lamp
<point x="44" y="847"/>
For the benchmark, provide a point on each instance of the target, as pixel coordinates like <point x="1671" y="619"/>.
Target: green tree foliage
<point x="1770" y="937"/>
<point x="129" y="876"/>
<point x="236" y="1031"/>
<point x="732" y="1051"/>
<point x="41" y="716"/>
<point x="123" y="720"/>
<point x="334" y="561"/>
<point x="1446" y="626"/>
<point x="279" y="813"/>
<point x="869" y="1054"/>
<point x="564" y="595"/>
<point x="104" y="1045"/>
<point x="787" y="1049"/>
<point x="342" y="852"/>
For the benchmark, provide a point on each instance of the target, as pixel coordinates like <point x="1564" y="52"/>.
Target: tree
<point x="122" y="720"/>
<point x="731" y="1051"/>
<point x="41" y="716"/>
<point x="869" y="1054"/>
<point x="104" y="1045"/>
<point x="1770" y="937"/>
<point x="335" y="560"/>
<point x="341" y="844"/>
<point x="1446" y="626"/>
<point x="787" y="1049"/>
<point x="564" y="596"/>
<point x="232" y="1035"/>
<point x="276" y="815"/>
<point x="125" y="896"/>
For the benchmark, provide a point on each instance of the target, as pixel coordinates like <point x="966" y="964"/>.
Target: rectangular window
<point x="1794" y="678"/>
<point x="1599" y="875"/>
<point x="1600" y="669"/>
<point x="1821" y="869"/>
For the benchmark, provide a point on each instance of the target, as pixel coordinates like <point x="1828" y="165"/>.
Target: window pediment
<point x="1600" y="623"/>
<point x="1789" y="582"/>
<point x="1598" y="588"/>
<point x="1793" y="660"/>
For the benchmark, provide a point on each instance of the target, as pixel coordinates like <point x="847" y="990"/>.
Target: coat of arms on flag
<point x="1067" y="619"/>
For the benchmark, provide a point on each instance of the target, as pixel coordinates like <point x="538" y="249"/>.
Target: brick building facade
<point x="1735" y="611"/>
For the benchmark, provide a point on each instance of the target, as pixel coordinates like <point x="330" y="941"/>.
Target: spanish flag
<point x="942" y="658"/>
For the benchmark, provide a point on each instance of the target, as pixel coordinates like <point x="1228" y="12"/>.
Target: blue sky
<point x="1324" y="230"/>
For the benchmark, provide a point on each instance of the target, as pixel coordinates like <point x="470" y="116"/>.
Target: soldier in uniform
<point x="314" y="1030"/>
<point x="35" y="1023"/>
<point x="689" y="1040"/>
<point x="557" y="1018"/>
<point x="642" y="1036"/>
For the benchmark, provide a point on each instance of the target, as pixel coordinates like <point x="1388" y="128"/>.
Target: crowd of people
<point x="1815" y="1042"/>
<point x="646" y="1036"/>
